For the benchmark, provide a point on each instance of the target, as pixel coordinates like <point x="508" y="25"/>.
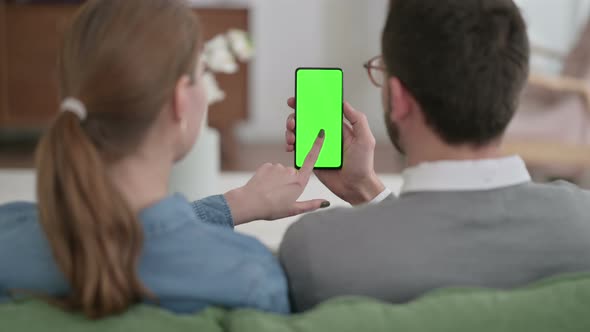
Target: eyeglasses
<point x="376" y="69"/>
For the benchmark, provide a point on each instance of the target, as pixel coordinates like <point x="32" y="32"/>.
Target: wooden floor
<point x="20" y="154"/>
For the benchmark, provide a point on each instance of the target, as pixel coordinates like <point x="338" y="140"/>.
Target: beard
<point x="392" y="128"/>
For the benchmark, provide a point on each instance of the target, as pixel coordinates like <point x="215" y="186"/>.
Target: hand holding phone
<point x="356" y="183"/>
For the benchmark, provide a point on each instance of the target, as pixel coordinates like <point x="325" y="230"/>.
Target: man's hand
<point x="273" y="191"/>
<point x="356" y="182"/>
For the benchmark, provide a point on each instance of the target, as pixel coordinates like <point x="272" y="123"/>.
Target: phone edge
<point x="341" y="122"/>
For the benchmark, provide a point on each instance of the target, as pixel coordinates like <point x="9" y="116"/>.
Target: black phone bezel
<point x="341" y="122"/>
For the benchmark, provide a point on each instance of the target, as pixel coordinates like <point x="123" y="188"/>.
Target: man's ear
<point x="181" y="100"/>
<point x="400" y="99"/>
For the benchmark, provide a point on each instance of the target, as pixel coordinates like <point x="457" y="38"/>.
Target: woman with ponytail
<point x="105" y="234"/>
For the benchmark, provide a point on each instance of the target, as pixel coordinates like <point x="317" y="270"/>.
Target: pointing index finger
<point x="312" y="156"/>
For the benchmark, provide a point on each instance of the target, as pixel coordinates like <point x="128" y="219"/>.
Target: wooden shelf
<point x="30" y="35"/>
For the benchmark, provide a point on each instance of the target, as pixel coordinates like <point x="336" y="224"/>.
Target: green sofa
<point x="559" y="304"/>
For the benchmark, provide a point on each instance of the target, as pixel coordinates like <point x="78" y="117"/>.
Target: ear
<point x="181" y="101"/>
<point x="400" y="99"/>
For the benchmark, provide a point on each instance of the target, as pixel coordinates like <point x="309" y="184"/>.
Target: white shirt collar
<point x="471" y="175"/>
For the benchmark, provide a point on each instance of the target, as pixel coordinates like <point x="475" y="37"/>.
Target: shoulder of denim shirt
<point x="168" y="214"/>
<point x="15" y="213"/>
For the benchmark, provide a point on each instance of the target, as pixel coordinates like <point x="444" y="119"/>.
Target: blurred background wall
<point x="345" y="33"/>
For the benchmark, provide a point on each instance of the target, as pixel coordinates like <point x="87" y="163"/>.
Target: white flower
<point x="218" y="57"/>
<point x="214" y="93"/>
<point x="240" y="44"/>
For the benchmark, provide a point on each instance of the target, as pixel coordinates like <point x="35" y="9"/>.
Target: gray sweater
<point x="402" y="248"/>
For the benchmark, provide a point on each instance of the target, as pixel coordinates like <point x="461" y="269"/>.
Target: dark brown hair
<point x="465" y="62"/>
<point x="122" y="59"/>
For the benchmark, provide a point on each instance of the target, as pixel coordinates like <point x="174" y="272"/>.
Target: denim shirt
<point x="191" y="258"/>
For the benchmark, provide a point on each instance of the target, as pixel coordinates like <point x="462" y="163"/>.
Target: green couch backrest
<point x="560" y="304"/>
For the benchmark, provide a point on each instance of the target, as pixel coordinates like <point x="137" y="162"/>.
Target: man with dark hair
<point x="451" y="74"/>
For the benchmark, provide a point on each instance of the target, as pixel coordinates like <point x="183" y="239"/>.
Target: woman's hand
<point x="356" y="182"/>
<point x="273" y="191"/>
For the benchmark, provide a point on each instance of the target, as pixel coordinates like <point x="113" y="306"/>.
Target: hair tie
<point x="75" y="106"/>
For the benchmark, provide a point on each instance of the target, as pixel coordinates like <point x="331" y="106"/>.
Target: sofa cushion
<point x="558" y="304"/>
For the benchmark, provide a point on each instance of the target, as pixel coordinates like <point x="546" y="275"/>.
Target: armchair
<point x="551" y="129"/>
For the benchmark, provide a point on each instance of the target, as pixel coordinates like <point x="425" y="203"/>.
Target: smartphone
<point x="319" y="105"/>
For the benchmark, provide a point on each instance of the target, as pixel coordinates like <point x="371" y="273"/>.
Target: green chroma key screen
<point x="318" y="93"/>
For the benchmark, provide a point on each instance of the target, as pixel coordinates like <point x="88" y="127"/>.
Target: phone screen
<point x="319" y="99"/>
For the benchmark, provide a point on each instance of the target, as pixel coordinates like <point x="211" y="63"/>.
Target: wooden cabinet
<point x="3" y="96"/>
<point x="225" y="115"/>
<point x="30" y="36"/>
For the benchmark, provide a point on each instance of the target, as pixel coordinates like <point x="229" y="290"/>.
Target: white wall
<point x="287" y="34"/>
<point x="293" y="33"/>
<point x="553" y="24"/>
<point x="345" y="33"/>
